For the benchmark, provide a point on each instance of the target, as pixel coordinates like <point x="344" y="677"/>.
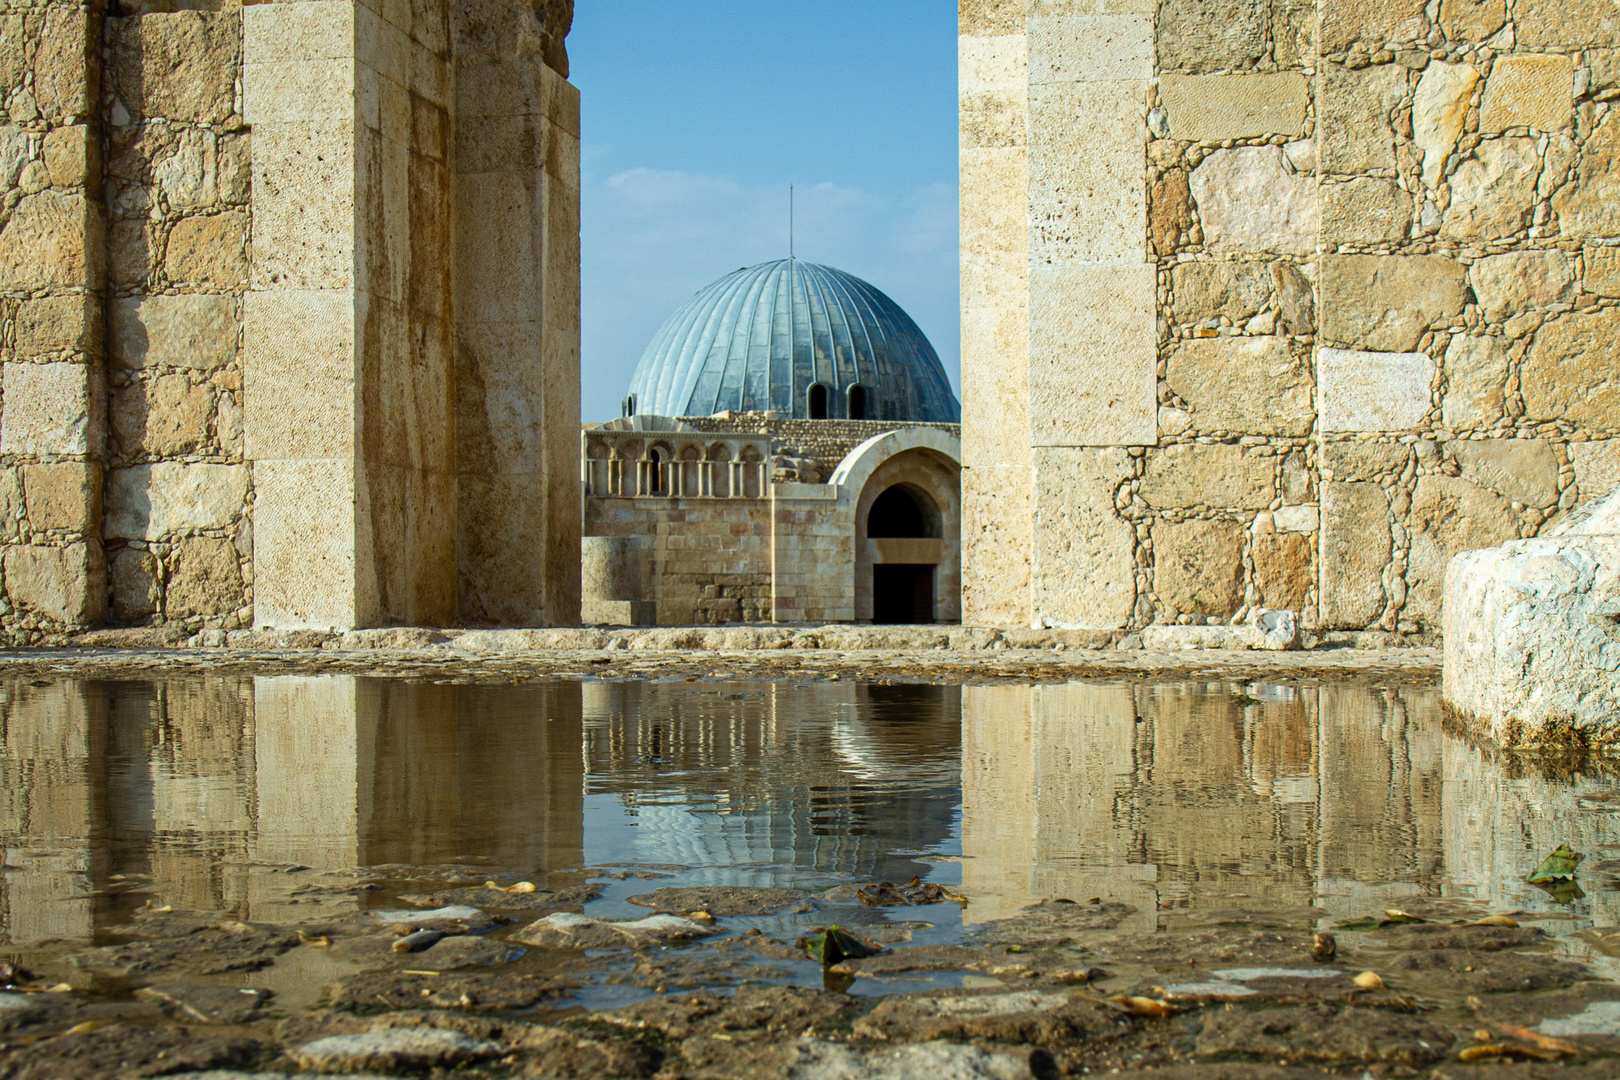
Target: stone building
<point x="289" y="296"/>
<point x="789" y="454"/>
<point x="1357" y="313"/>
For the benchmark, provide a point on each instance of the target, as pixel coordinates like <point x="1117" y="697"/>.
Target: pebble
<point x="417" y="941"/>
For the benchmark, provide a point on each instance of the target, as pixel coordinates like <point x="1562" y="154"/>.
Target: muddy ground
<point x="441" y="975"/>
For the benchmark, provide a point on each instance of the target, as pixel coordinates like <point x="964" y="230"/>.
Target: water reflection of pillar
<point x="54" y="738"/>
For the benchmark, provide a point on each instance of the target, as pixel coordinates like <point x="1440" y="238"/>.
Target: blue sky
<point x="698" y="114"/>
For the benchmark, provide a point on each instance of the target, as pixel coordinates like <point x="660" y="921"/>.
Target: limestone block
<point x="209" y="251"/>
<point x="303" y="91"/>
<point x="1365" y="211"/>
<point x="995" y="367"/>
<point x="130" y="248"/>
<point x="172" y="498"/>
<point x="181" y="65"/>
<point x="64" y="496"/>
<point x="66" y="322"/>
<point x="997" y="544"/>
<point x="988" y="120"/>
<point x="997" y="64"/>
<point x="1589" y="206"/>
<point x="1198" y="566"/>
<point x="1568" y="371"/>
<point x="1346" y="461"/>
<point x="1169" y="211"/>
<point x="11" y="503"/>
<point x="1355" y="549"/>
<point x="1566" y="23"/>
<point x="1208" y="474"/>
<point x="1206" y="291"/>
<point x="1293" y="32"/>
<point x="1386" y="303"/>
<point x="48" y="409"/>
<point x="16" y="152"/>
<point x="1597" y="468"/>
<point x="1253" y="385"/>
<point x="1602" y="271"/>
<point x="1248" y="201"/>
<point x="1345" y="22"/>
<point x="1198" y="35"/>
<point x="186" y="330"/>
<point x="990" y="16"/>
<point x="1354" y="130"/>
<point x="1089" y="48"/>
<point x="1533" y="90"/>
<point x="299" y="374"/>
<point x="1472" y="20"/>
<point x="1084" y="572"/>
<point x="1476" y="376"/>
<point x="1373" y="391"/>
<point x="304" y="548"/>
<point x="1439" y="109"/>
<point x="63" y="584"/>
<point x="1296" y="298"/>
<point x="162" y="417"/>
<point x="611" y="567"/>
<point x="1295" y="519"/>
<point x="67" y="154"/>
<point x="1086" y="196"/>
<point x="1530" y="641"/>
<point x="994" y="245"/>
<point x="1093" y="355"/>
<point x="300" y="30"/>
<point x="1449" y="515"/>
<point x="1215" y="107"/>
<point x="132" y="579"/>
<point x="62" y="69"/>
<point x="1519" y="281"/>
<point x="304" y="215"/>
<point x="205" y="578"/>
<point x="1522" y="470"/>
<point x="1493" y="192"/>
<point x="45" y="243"/>
<point x="1283" y="570"/>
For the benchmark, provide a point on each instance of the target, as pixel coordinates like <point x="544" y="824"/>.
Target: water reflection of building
<point x="756" y="773"/>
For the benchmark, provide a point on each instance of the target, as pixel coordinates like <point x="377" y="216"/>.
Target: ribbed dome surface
<point x="763" y="336"/>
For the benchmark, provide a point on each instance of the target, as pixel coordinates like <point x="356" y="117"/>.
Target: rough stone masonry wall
<point x="1382" y="311"/>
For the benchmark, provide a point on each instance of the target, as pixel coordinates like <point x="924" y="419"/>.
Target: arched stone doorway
<point x="907" y="547"/>
<point x="903" y="592"/>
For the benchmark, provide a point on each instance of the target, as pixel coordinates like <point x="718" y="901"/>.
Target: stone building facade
<point x="290" y="307"/>
<point x="1282" y="304"/>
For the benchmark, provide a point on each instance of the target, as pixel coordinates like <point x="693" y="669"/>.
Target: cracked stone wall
<point x="238" y="381"/>
<point x="1329" y="297"/>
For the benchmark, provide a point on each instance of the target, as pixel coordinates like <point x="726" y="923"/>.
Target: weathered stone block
<point x="988" y="17"/>
<point x="1350" y="461"/>
<point x="67" y="152"/>
<point x="1522" y="470"/>
<point x="1566" y="23"/>
<point x="1530" y="641"/>
<point x="1214" y="107"/>
<point x="1209" y="35"/>
<point x="1198" y="566"/>
<point x="1493" y="192"/>
<point x="1169" y="211"/>
<point x="1090" y="46"/>
<point x="66" y="322"/>
<point x="998" y="513"/>
<point x="1449" y="515"/>
<point x="1355" y="549"/>
<point x="162" y="417"/>
<point x="1206" y="291"/>
<point x="46" y="243"/>
<point x="47" y="410"/>
<point x="1252" y="385"/>
<point x="994" y="244"/>
<point x="205" y="578"/>
<point x="1093" y="356"/>
<point x="304" y="559"/>
<point x="171" y="498"/>
<point x="299" y="367"/>
<point x="64" y="584"/>
<point x="1283" y="571"/>
<point x="1293" y="32"/>
<point x="62" y="67"/>
<point x="1345" y="22"/>
<point x="1472" y="20"/>
<point x="1476" y="371"/>
<point x="1385" y="303"/>
<point x="1084" y="569"/>
<point x="1589" y="206"/>
<point x="1296" y="298"/>
<point x="1521" y="280"/>
<point x="1208" y="474"/>
<point x="1086" y="196"/>
<point x="1248" y="201"/>
<point x="1373" y="391"/>
<point x="64" y="496"/>
<point x="132" y="580"/>
<point x="1533" y="90"/>
<point x="11" y="503"/>
<point x="304" y="215"/>
<point x="1354" y="130"/>
<point x="995" y="358"/>
<point x="209" y="251"/>
<point x="1597" y="468"/>
<point x="1568" y="371"/>
<point x="1603" y="271"/>
<point x="181" y="65"/>
<point x="187" y="331"/>
<point x="1365" y="211"/>
<point x="130" y="249"/>
<point x="1439" y="110"/>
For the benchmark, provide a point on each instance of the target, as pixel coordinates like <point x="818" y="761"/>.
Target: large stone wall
<point x="1355" y="314"/>
<point x="290" y="303"/>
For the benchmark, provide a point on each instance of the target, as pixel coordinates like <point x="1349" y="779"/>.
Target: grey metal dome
<point x="803" y="339"/>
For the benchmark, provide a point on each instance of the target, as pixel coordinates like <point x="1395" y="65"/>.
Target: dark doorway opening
<point x="818" y="402"/>
<point x="902" y="593"/>
<point x="901" y="512"/>
<point x="857" y="403"/>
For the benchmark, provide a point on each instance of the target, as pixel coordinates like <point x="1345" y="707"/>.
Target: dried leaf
<point x="1141" y="1006"/>
<point x="81" y="1029"/>
<point x="1559" y="866"/>
<point x="1495" y="920"/>
<point x="1546" y="1042"/>
<point x="1479" y="1053"/>
<point x="828" y="947"/>
<point x="1369" y="980"/>
<point x="1396" y="917"/>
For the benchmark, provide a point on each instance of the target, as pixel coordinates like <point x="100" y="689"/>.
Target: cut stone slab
<point x="568" y="931"/>
<point x="1249" y="201"/>
<point x="1214" y="107"/>
<point x="412" y="1049"/>
<point x="1373" y="391"/>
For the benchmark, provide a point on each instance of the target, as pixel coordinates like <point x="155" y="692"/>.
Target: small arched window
<point x="857" y="402"/>
<point x="818" y="402"/>
<point x="629" y="405"/>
